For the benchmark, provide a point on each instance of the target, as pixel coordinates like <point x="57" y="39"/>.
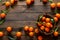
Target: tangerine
<point x="9" y="29"/>
<point x="56" y="33"/>
<point x="1" y="34"/>
<point x="55" y="19"/>
<point x="3" y="15"/>
<point x="26" y="28"/>
<point x="7" y="4"/>
<point x="31" y="29"/>
<point x="47" y="20"/>
<point x="58" y="4"/>
<point x="31" y="34"/>
<point x="52" y="5"/>
<point x="42" y="27"/>
<point x="47" y="29"/>
<point x="18" y="34"/>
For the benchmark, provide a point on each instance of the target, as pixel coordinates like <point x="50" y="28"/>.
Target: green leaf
<point x="0" y="0"/>
<point x="2" y="21"/>
<point x="50" y="1"/>
<point x="52" y="20"/>
<point x="56" y="29"/>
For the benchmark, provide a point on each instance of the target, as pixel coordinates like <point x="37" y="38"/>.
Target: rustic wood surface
<point x="21" y="16"/>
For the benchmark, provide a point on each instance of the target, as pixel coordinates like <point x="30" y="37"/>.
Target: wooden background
<point x="21" y="16"/>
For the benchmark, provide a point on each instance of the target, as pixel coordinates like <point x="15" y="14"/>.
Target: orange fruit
<point x="18" y="34"/>
<point x="40" y="38"/>
<point x="3" y="15"/>
<point x="57" y="15"/>
<point x="48" y="25"/>
<point x="1" y="34"/>
<point x="36" y="30"/>
<point x="42" y="27"/>
<point x="39" y="24"/>
<point x="58" y="4"/>
<point x="47" y="29"/>
<point x="31" y="29"/>
<point x="7" y="4"/>
<point x="52" y="5"/>
<point x="56" y="33"/>
<point x="43" y="18"/>
<point x="26" y="28"/>
<point x="9" y="29"/>
<point x="47" y="19"/>
<point x="31" y="34"/>
<point x="12" y="2"/>
<point x="55" y="19"/>
<point x="28" y="2"/>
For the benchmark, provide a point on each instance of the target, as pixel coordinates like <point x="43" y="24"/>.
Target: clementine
<point x="58" y="4"/>
<point x="52" y="5"/>
<point x="48" y="25"/>
<point x="28" y="2"/>
<point x="7" y="4"/>
<point x="9" y="29"/>
<point x="26" y="28"/>
<point x="36" y="30"/>
<point x="31" y="29"/>
<point x="57" y="15"/>
<point x="1" y="34"/>
<point x="12" y="2"/>
<point x="43" y="18"/>
<point x="47" y="29"/>
<point x="18" y="34"/>
<point x="31" y="34"/>
<point x="56" y="33"/>
<point x="55" y="19"/>
<point x="42" y="27"/>
<point x="40" y="38"/>
<point x="3" y="15"/>
<point x="47" y="20"/>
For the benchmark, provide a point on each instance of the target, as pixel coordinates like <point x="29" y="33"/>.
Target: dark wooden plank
<point x="17" y="24"/>
<point x="22" y="16"/>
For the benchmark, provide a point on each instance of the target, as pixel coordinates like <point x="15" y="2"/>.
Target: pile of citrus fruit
<point x="4" y="12"/>
<point x="45" y="23"/>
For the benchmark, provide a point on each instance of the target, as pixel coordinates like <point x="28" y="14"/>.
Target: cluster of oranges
<point x="56" y="17"/>
<point x="45" y="24"/>
<point x="29" y="30"/>
<point x="9" y="30"/>
<point x="54" y="5"/>
<point x="11" y="3"/>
